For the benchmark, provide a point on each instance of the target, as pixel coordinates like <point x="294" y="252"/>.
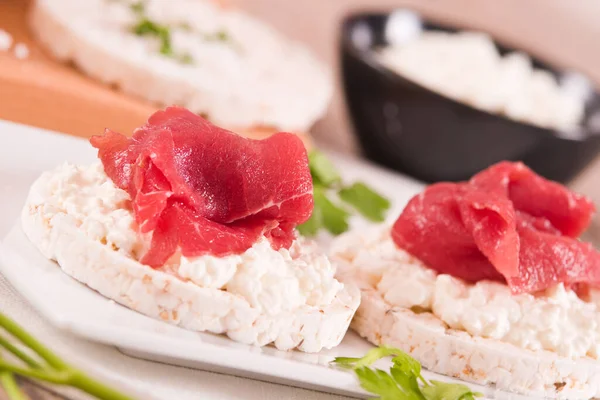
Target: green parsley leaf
<point x="409" y="383"/>
<point x="379" y="382"/>
<point x="138" y="7"/>
<point x="448" y="391"/>
<point x="404" y="381"/>
<point x="325" y="215"/>
<point x="329" y="215"/>
<point x="368" y="359"/>
<point x="219" y="36"/>
<point x="165" y="48"/>
<point x="186" y="58"/>
<point x="184" y="26"/>
<point x="334" y="218"/>
<point x="366" y="201"/>
<point x="222" y="36"/>
<point x="311" y="227"/>
<point x="406" y="364"/>
<point x="322" y="169"/>
<point x="146" y="27"/>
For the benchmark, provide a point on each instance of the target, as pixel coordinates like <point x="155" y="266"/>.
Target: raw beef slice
<point x="205" y="190"/>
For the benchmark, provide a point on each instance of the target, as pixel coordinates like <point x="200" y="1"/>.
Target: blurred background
<point x="565" y="33"/>
<point x="561" y="34"/>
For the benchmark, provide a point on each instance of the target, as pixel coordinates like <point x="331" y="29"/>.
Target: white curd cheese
<point x="219" y="62"/>
<point x="76" y="216"/>
<point x="208" y="271"/>
<point x="467" y="67"/>
<point x="557" y="320"/>
<point x="270" y="280"/>
<point x="93" y="202"/>
<point x="277" y="281"/>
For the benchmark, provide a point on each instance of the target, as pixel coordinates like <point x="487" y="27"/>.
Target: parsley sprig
<point x="37" y="362"/>
<point x="335" y="202"/>
<point x="218" y="36"/>
<point x="147" y="27"/>
<point x="404" y="381"/>
<point x="138" y="7"/>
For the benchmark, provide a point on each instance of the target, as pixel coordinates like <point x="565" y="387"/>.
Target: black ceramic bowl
<point x="407" y="127"/>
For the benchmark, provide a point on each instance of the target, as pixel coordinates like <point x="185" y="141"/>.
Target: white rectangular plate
<point x="73" y="307"/>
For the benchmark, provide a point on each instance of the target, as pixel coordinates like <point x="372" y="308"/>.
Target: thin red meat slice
<point x="548" y="259"/>
<point x="113" y="150"/>
<point x="506" y="223"/>
<point x="492" y="220"/>
<point x="205" y="190"/>
<point x="431" y="228"/>
<point x="567" y="211"/>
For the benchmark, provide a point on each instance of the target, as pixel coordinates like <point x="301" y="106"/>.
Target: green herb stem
<point x="69" y="377"/>
<point x="96" y="388"/>
<point x="11" y="327"/>
<point x="58" y="377"/>
<point x="18" y="353"/>
<point x="57" y="372"/>
<point x="10" y="386"/>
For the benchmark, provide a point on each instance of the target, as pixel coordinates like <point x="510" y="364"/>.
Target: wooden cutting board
<point x="41" y="92"/>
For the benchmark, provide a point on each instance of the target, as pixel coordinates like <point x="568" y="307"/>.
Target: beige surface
<point x="564" y="32"/>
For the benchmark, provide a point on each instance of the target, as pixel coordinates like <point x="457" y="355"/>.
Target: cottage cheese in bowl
<point x="467" y="67"/>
